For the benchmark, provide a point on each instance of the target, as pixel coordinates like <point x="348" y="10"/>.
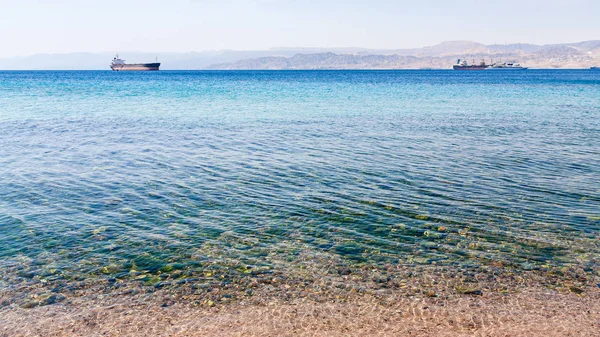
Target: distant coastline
<point x="580" y="55"/>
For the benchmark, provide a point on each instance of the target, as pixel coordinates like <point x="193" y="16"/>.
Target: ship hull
<point x="594" y="68"/>
<point x="469" y="67"/>
<point x="135" y="67"/>
<point x="507" y="68"/>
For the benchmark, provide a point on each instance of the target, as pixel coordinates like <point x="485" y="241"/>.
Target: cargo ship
<point x="595" y="68"/>
<point x="465" y="66"/>
<point x="119" y="65"/>
<point x="506" y="66"/>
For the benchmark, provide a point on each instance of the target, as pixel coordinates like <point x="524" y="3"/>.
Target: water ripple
<point x="105" y="174"/>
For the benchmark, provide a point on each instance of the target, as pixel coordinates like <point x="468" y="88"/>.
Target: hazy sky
<point x="58" y="26"/>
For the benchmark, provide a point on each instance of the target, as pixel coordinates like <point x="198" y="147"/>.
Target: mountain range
<point x="440" y="56"/>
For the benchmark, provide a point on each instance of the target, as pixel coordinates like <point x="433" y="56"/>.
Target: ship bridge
<point x="117" y="60"/>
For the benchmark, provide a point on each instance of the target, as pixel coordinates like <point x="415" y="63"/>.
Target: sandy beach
<point x="408" y="301"/>
<point x="533" y="312"/>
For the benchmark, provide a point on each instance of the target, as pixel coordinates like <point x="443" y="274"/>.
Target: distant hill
<point x="101" y="61"/>
<point x="443" y="55"/>
<point x="335" y="61"/>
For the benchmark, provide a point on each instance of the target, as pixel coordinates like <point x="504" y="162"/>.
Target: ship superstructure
<point x="466" y="66"/>
<point x="118" y="64"/>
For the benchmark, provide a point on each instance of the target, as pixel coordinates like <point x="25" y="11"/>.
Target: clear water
<point x="108" y="174"/>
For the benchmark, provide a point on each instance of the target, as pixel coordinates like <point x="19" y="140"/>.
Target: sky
<point x="62" y="26"/>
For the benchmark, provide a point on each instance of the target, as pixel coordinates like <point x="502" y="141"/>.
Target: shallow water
<point x="109" y="175"/>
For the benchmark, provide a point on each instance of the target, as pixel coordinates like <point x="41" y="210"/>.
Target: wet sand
<point x="529" y="313"/>
<point x="351" y="302"/>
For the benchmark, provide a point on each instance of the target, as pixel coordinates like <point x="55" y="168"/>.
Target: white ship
<point x="506" y="66"/>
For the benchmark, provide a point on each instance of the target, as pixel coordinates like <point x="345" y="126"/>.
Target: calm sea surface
<point x="106" y="174"/>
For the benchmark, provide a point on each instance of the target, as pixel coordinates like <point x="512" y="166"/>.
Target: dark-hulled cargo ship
<point x="465" y="66"/>
<point x="119" y="65"/>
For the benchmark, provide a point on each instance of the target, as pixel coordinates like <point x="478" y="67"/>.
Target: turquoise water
<point x="108" y="175"/>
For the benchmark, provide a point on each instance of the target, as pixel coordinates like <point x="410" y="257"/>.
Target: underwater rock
<point x="344" y="271"/>
<point x="431" y="294"/>
<point x="576" y="290"/>
<point x="469" y="291"/>
<point x="29" y="304"/>
<point x="160" y="285"/>
<point x="48" y="299"/>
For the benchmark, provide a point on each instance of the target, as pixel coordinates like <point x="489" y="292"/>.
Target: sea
<point x="154" y="177"/>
